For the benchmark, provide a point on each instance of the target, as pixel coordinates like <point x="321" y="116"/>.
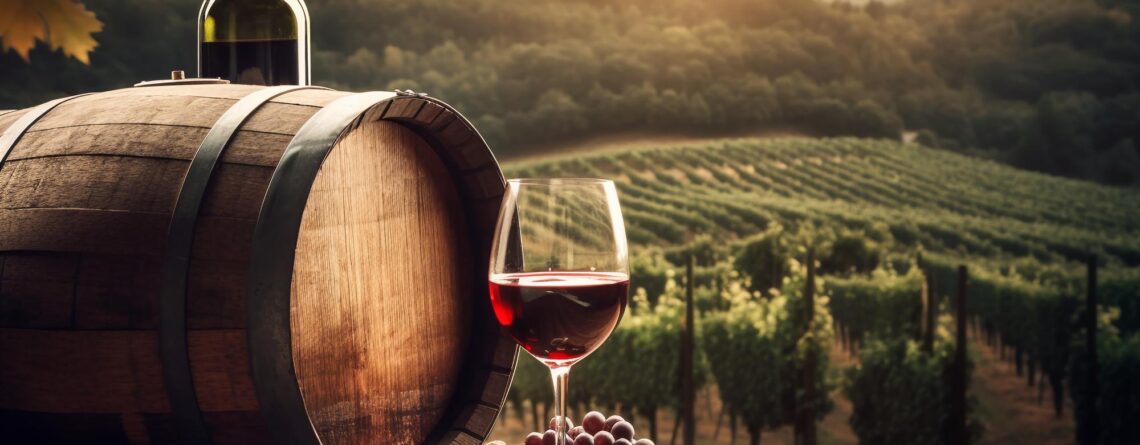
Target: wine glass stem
<point x="561" y="376"/>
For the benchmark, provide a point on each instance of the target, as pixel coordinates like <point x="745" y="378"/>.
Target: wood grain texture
<point x="381" y="289"/>
<point x="82" y="230"/>
<point x="220" y="361"/>
<point x="248" y="147"/>
<point x="103" y="109"/>
<point x="457" y="437"/>
<point x="313" y="98"/>
<point x="139" y="140"/>
<point x="119" y="183"/>
<point x="117" y="292"/>
<point x="85" y="202"/>
<point x="477" y="418"/>
<point x="37" y="290"/>
<point x="215" y="294"/>
<point x="120" y="371"/>
<point x="429" y="113"/>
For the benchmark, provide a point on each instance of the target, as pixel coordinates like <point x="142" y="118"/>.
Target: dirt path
<point x="1008" y="406"/>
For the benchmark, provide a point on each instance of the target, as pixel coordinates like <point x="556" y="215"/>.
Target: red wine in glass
<point x="559" y="316"/>
<point x="558" y="275"/>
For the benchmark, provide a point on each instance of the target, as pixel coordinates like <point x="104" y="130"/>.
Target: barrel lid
<point x="169" y="82"/>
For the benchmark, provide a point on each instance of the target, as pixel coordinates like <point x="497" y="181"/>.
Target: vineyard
<point x="889" y="224"/>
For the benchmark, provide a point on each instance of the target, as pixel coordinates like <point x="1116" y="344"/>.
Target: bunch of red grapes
<point x="595" y="429"/>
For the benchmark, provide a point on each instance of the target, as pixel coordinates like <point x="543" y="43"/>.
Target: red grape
<point x="622" y="430"/>
<point x="596" y="429"/>
<point x="611" y="421"/>
<point x="553" y="423"/>
<point x="593" y="422"/>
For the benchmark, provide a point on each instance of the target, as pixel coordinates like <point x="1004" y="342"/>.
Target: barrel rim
<point x="466" y="155"/>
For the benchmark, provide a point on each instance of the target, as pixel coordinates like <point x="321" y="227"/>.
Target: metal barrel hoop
<point x="174" y="352"/>
<point x="271" y="265"/>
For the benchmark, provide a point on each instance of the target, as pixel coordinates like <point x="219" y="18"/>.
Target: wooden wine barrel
<point x="225" y="264"/>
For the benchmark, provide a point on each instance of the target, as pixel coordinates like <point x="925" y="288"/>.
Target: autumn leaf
<point x="20" y="26"/>
<point x="62" y="24"/>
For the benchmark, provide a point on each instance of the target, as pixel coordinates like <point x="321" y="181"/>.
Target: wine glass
<point x="559" y="272"/>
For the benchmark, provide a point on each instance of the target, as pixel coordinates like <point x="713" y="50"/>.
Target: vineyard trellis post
<point x="1031" y="372"/>
<point x="958" y="433"/>
<point x="929" y="308"/>
<point x="805" y="412"/>
<point x="688" y="402"/>
<point x="1089" y="429"/>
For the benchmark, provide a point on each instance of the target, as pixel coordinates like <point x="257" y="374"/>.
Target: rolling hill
<point x="901" y="195"/>
<point x="743" y="206"/>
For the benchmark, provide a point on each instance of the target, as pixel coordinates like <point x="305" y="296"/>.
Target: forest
<point x="1047" y="85"/>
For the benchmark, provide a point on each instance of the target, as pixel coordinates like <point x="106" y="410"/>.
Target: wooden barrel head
<point x="381" y="289"/>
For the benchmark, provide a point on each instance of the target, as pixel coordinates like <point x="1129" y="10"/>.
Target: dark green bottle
<point x="256" y="42"/>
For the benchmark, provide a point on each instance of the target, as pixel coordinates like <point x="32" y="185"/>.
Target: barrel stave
<point x="38" y="290"/>
<point x="103" y="183"/>
<point x="85" y="202"/>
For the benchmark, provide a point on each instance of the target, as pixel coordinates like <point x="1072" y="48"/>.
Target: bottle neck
<point x="251" y="21"/>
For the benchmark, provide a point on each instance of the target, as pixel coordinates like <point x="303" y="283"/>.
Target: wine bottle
<point x="256" y="42"/>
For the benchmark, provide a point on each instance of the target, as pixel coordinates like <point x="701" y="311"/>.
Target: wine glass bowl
<point x="559" y="271"/>
<point x="559" y="317"/>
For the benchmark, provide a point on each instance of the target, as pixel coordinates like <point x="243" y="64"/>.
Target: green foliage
<point x="1036" y="314"/>
<point x="764" y="260"/>
<point x="1119" y="362"/>
<point x="859" y="201"/>
<point x="1061" y="135"/>
<point x="637" y="368"/>
<point x="1117" y="400"/>
<point x="757" y="351"/>
<point x="1121" y="289"/>
<point x="883" y="305"/>
<point x="649" y="273"/>
<point x="705" y="250"/>
<point x="900" y="396"/>
<point x="642" y="358"/>
<point x="746" y="334"/>
<point x="851" y="252"/>
<point x="1023" y="231"/>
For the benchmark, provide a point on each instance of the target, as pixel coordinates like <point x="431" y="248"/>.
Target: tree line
<point x="1048" y="85"/>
